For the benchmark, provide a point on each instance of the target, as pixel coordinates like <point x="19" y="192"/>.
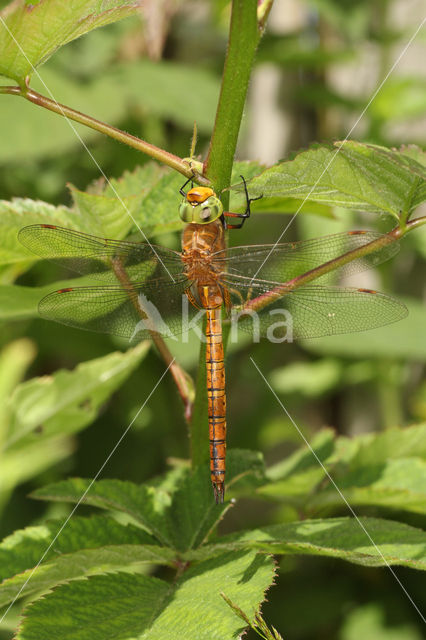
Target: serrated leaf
<point x="370" y="542"/>
<point x="181" y="516"/>
<point x="45" y="555"/>
<point x="147" y="199"/>
<point x="148" y="608"/>
<point x="87" y="562"/>
<point x="353" y="175"/>
<point x="67" y="401"/>
<point x="24" y="548"/>
<point x="180" y="511"/>
<point x="121" y="605"/>
<point x="21" y="212"/>
<point x="31" y="33"/>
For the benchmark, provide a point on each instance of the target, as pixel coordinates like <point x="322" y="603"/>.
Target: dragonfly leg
<point x="242" y="216"/>
<point x="181" y="190"/>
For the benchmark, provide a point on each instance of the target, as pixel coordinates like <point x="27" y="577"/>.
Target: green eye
<point x="201" y="213"/>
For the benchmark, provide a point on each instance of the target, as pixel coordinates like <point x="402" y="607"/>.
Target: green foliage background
<point x="364" y="385"/>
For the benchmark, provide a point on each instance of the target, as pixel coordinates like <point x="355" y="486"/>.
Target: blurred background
<point x="318" y="64"/>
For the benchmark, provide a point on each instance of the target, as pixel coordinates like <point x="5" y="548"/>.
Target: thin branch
<point x="182" y="379"/>
<point x="169" y="159"/>
<point x="256" y="304"/>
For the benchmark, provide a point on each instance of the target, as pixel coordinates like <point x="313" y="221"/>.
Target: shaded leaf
<point x="68" y="401"/>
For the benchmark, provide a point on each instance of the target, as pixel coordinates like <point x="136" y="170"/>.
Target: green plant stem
<point x="169" y="159"/>
<point x="244" y="37"/>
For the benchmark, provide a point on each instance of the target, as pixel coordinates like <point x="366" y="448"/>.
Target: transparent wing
<point x="103" y="259"/>
<point x="283" y="262"/>
<point x="311" y="311"/>
<point x="131" y="312"/>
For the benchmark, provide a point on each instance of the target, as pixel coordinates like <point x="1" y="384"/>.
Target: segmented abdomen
<point x="216" y="399"/>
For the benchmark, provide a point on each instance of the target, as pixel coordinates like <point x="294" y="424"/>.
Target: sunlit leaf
<point x="32" y="32"/>
<point x="140" y="606"/>
<point x="367" y="541"/>
<point x="353" y="175"/>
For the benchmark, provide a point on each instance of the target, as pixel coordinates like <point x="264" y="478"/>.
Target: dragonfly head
<point x="200" y="206"/>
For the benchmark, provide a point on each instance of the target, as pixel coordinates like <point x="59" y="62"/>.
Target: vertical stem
<point x="244" y="36"/>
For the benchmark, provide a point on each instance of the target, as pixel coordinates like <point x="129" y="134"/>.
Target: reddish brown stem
<point x="181" y="378"/>
<point x="151" y="150"/>
<point x="262" y="301"/>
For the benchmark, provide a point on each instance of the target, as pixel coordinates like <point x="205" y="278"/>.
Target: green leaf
<point x="15" y="357"/>
<point x="22" y="212"/>
<point x="34" y="31"/>
<point x="385" y="543"/>
<point x="181" y="516"/>
<point x="118" y="206"/>
<point x="86" y="562"/>
<point x="24" y="548"/>
<point x="371" y="621"/>
<point x="21" y="463"/>
<point x="120" y="605"/>
<point x="381" y="469"/>
<point x="386" y="470"/>
<point x="145" y="607"/>
<point x="68" y="401"/>
<point x="400" y="98"/>
<point x="358" y="176"/>
<point x="45" y="555"/>
<point x="313" y="379"/>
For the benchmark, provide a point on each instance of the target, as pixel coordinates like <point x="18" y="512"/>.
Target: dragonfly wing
<point x="311" y="311"/>
<point x="101" y="258"/>
<point x="131" y="312"/>
<point x="283" y="262"/>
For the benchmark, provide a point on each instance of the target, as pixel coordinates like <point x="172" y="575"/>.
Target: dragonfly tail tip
<point x="219" y="492"/>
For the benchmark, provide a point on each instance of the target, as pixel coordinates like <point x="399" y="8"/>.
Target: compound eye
<point x="205" y="213"/>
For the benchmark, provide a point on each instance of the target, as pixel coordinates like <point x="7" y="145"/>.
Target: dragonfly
<point x="280" y="291"/>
